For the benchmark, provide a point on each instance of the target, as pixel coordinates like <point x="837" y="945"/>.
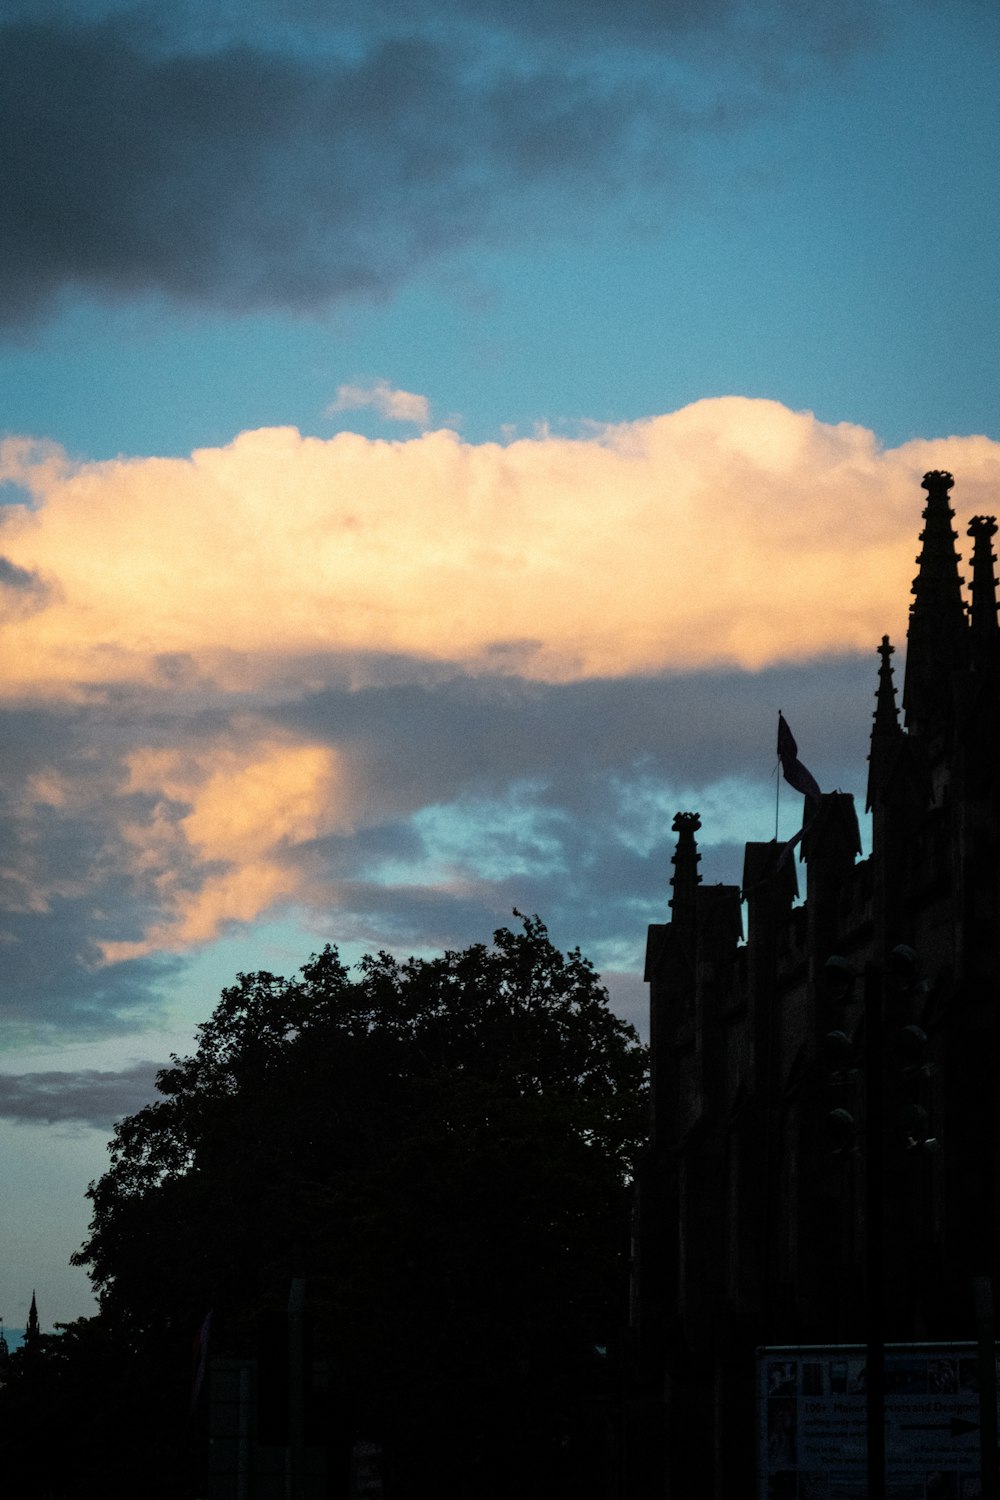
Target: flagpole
<point x="777" y="791"/>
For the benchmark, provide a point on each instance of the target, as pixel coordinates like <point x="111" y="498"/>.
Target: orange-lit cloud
<point x="392" y="404"/>
<point x="732" y="531"/>
<point x="215" y="845"/>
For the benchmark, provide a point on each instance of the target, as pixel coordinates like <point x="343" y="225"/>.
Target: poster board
<point x="812" y="1422"/>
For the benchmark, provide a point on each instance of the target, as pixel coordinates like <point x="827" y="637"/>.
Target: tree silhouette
<point x="443" y="1148"/>
<point x="86" y="1418"/>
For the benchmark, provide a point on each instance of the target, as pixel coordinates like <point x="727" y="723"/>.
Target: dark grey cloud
<point x="18" y="579"/>
<point x="64" y="881"/>
<point x="481" y="732"/>
<point x="241" y="167"/>
<point x="242" y="178"/>
<point x="53" y="984"/>
<point x="805" y="25"/>
<point x="84" y="1097"/>
<point x="573" y="788"/>
<point x="791" y="32"/>
<point x="21" y="591"/>
<point x="556" y="799"/>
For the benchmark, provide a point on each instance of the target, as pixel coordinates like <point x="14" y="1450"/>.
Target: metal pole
<point x="244" y="1451"/>
<point x="296" y="1389"/>
<point x="986" y="1337"/>
<point x="874" y="1250"/>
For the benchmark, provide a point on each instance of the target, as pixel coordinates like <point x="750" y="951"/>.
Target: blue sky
<point x="829" y="246"/>
<point x="558" y="384"/>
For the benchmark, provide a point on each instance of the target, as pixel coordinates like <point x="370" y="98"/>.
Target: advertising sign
<point x="812" y="1422"/>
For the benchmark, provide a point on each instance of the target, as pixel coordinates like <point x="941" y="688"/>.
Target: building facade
<point x="750" y="1221"/>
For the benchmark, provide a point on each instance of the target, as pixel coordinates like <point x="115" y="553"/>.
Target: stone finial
<point x="938" y="637"/>
<point x="885" y="716"/>
<point x="685" y="861"/>
<point x="983" y="614"/>
<point x="686" y="822"/>
<point x="886" y="728"/>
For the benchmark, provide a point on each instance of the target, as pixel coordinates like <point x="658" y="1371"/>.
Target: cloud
<point x="292" y="163"/>
<point x="87" y="1096"/>
<point x="19" y="580"/>
<point x="140" y="826"/>
<point x="807" y="22"/>
<point x="395" y="689"/>
<point x="21" y="591"/>
<point x="214" y="840"/>
<point x="395" y="406"/>
<point x="792" y="33"/>
<point x="592" y="748"/>
<point x="246" y="178"/>
<point x="732" y="532"/>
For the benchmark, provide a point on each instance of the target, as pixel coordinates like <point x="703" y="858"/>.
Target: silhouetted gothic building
<point x="750" y="1208"/>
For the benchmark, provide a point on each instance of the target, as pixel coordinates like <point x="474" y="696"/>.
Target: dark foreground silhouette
<point x="434" y="1158"/>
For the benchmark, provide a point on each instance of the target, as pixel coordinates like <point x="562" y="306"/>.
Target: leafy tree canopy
<point x="75" y="1407"/>
<point x="443" y="1149"/>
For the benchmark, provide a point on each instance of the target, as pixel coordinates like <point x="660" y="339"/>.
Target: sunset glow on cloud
<point x="213" y="844"/>
<point x="393" y="405"/>
<point x="731" y="532"/>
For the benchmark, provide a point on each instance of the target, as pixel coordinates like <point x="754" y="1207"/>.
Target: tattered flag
<point x="792" y="768"/>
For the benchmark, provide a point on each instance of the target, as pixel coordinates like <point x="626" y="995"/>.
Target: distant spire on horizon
<point x="32" y="1331"/>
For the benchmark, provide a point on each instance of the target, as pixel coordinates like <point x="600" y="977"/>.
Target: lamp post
<point x="874" y="1236"/>
<point x="986" y="1339"/>
<point x="901" y="968"/>
<point x="839" y="977"/>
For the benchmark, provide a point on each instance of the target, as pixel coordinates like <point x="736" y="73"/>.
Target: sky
<point x="437" y="439"/>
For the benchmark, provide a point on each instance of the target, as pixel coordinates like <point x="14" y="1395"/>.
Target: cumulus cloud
<point x="399" y="688"/>
<point x="394" y="405"/>
<point x="732" y="532"/>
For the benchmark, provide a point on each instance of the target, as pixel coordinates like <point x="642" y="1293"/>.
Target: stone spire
<point x="985" y="629"/>
<point x="887" y="731"/>
<point x="885" y="718"/>
<point x="938" y="633"/>
<point x="685" y="879"/>
<point x="32" y="1331"/>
